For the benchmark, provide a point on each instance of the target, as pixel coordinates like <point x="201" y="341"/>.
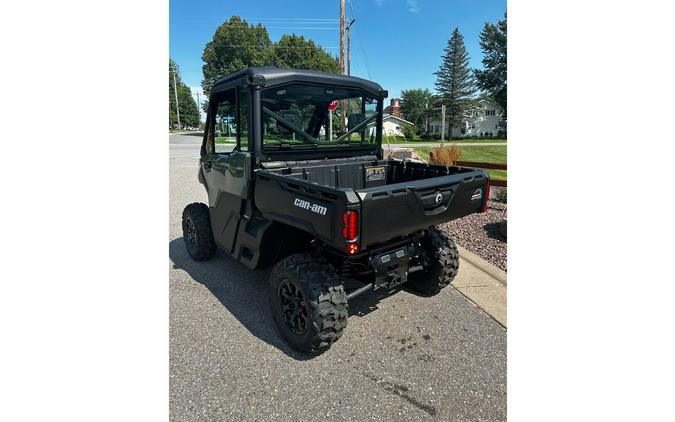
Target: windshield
<point x="312" y="116"/>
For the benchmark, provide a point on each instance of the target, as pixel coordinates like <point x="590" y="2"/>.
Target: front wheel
<point x="440" y="260"/>
<point x="309" y="303"/>
<point x="197" y="232"/>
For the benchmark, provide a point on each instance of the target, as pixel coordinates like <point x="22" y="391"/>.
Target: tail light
<point x="349" y="230"/>
<point x="349" y="218"/>
<point x="487" y="196"/>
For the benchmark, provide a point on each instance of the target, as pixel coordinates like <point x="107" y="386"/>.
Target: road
<point x="402" y="357"/>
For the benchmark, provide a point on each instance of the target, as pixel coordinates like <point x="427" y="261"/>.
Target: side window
<point x="224" y="122"/>
<point x="242" y="124"/>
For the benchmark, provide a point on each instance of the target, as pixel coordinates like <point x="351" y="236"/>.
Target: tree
<point x="454" y="81"/>
<point x="235" y="45"/>
<point x="189" y="114"/>
<point x="492" y="79"/>
<point x="297" y="52"/>
<point x="415" y="104"/>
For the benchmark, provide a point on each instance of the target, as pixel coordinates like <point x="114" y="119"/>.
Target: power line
<point x="358" y="39"/>
<point x="271" y="46"/>
<point x="263" y="19"/>
<point x="275" y="25"/>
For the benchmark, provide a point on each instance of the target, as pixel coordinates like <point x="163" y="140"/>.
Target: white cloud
<point x="413" y="6"/>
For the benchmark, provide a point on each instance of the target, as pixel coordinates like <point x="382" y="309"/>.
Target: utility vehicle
<point x="293" y="165"/>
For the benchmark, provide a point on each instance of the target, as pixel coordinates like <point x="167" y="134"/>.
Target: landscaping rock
<point x="502" y="227"/>
<point x="405" y="154"/>
<point x="481" y="233"/>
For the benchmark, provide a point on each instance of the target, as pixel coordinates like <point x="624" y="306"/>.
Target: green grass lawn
<point x="226" y="140"/>
<point x="483" y="154"/>
<point x="401" y="140"/>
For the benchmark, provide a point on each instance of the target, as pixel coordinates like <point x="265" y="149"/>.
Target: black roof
<point x="273" y="76"/>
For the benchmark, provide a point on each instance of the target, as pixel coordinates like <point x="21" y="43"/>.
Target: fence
<point x="492" y="166"/>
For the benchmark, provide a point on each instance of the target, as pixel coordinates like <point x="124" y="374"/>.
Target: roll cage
<point x="255" y="80"/>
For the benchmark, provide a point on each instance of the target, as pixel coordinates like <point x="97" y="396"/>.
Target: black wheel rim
<point x="293" y="307"/>
<point x="190" y="232"/>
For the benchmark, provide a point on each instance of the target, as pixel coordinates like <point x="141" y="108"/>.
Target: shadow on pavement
<point x="244" y="293"/>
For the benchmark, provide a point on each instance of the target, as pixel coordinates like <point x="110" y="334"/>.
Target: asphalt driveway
<point x="402" y="357"/>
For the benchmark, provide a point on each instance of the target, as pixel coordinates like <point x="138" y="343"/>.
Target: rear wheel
<point x="440" y="260"/>
<point x="197" y="232"/>
<point x="309" y="303"/>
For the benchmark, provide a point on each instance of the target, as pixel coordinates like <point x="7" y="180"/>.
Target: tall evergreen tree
<point x="189" y="115"/>
<point x="492" y="79"/>
<point x="454" y="81"/>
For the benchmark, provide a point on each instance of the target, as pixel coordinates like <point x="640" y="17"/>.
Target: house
<point x="391" y="125"/>
<point x="484" y="120"/>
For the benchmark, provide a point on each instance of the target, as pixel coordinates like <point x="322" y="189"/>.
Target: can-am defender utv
<point x="293" y="165"/>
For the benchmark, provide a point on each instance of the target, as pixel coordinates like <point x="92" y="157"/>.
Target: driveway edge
<point x="496" y="273"/>
<point x="483" y="284"/>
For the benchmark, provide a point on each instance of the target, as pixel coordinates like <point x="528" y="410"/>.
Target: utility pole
<point x="175" y="92"/>
<point x="199" y="112"/>
<point x="349" y="46"/>
<point x="342" y="37"/>
<point x="442" y="124"/>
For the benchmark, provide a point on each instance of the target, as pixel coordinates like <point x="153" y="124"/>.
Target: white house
<point x="483" y="121"/>
<point x="391" y="125"/>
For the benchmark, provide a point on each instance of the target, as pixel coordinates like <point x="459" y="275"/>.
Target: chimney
<point x="395" y="107"/>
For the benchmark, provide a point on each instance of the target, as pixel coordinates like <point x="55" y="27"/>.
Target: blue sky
<point x="397" y="43"/>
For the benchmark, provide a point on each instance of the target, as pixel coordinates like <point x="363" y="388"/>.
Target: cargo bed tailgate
<point x="399" y="209"/>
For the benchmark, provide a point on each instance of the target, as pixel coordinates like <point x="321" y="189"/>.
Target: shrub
<point x="445" y="155"/>
<point x="500" y="195"/>
<point x="409" y="132"/>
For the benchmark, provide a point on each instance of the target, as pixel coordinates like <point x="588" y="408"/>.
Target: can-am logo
<point x="301" y="203"/>
<point x="477" y="194"/>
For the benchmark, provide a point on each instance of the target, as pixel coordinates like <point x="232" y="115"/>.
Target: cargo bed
<point x="393" y="198"/>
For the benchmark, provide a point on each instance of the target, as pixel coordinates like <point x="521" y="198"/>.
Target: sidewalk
<point x="483" y="284"/>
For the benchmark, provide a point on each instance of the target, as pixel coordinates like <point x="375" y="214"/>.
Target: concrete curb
<point x="483" y="284"/>
<point x="483" y="265"/>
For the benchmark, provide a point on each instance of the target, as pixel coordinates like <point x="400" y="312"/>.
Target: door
<point x="225" y="164"/>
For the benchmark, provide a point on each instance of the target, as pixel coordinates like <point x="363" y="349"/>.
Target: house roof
<point x="391" y="116"/>
<point x="490" y="103"/>
<point x="272" y="76"/>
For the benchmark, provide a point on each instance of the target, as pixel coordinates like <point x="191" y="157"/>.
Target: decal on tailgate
<point x="375" y="173"/>
<point x="301" y="203"/>
<point x="477" y="194"/>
